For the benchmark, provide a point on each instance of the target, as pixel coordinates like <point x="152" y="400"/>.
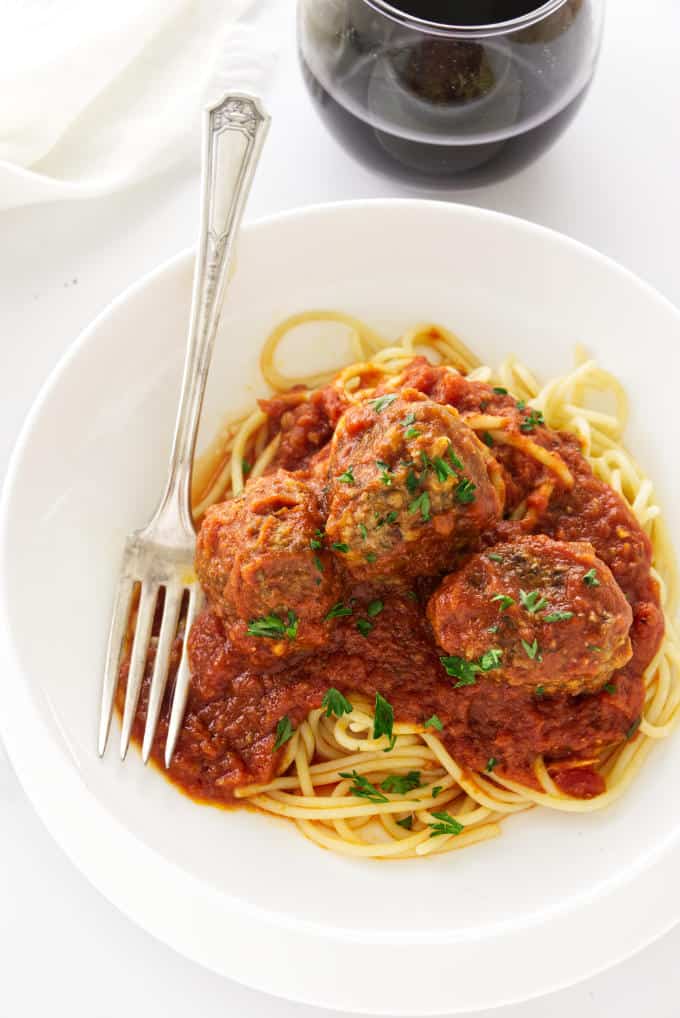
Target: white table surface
<point x="613" y="182"/>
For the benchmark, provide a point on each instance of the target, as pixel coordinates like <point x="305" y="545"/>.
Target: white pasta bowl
<point x="557" y="897"/>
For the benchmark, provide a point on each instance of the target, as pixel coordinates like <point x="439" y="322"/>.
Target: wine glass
<point x="438" y="98"/>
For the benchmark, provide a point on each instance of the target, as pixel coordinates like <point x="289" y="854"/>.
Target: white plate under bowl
<point x="553" y="900"/>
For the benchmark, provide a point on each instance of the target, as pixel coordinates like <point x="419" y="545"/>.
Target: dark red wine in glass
<point x="451" y="93"/>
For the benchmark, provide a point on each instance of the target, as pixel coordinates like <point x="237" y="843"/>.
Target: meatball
<point x="542" y="614"/>
<point x="409" y="487"/>
<point x="265" y="573"/>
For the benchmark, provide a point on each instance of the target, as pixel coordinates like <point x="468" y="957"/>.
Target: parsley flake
<point x="499" y="390"/>
<point x="245" y="467"/>
<point x="461" y="669"/>
<point x="374" y="608"/>
<point x="335" y="703"/>
<point x="338" y="546"/>
<point x="272" y="627"/>
<point x="540" y="691"/>
<point x="633" y="729"/>
<point x="421" y="503"/>
<point x="382" y="402"/>
<point x="532" y="650"/>
<point x="408" y="420"/>
<point x="531" y="422"/>
<point x="284" y="732"/>
<point x="400" y="784"/>
<point x="447" y="825"/>
<point x="363" y="531"/>
<point x="505" y="601"/>
<point x="590" y="579"/>
<point x="436" y="790"/>
<point x="610" y="688"/>
<point x="494" y="557"/>
<point x="455" y="461"/>
<point x="406" y="823"/>
<point x="465" y="491"/>
<point x="488" y="439"/>
<point x="371" y="557"/>
<point x="385" y="471"/>
<point x="533" y="602"/>
<point x="558" y="617"/>
<point x="411" y="481"/>
<point x="412" y="433"/>
<point x="434" y="722"/>
<point x="318" y="563"/>
<point x="364" y="626"/>
<point x="362" y="787"/>
<point x="383" y="719"/>
<point x="443" y="469"/>
<point x="491" y="763"/>
<point x="338" y="611"/>
<point x="348" y="476"/>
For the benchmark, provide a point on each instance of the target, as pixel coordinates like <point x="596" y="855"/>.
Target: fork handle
<point x="234" y="131"/>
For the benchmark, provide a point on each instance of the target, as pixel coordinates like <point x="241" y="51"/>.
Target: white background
<point x="613" y="182"/>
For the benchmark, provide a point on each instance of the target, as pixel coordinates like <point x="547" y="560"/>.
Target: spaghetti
<point x="335" y="779"/>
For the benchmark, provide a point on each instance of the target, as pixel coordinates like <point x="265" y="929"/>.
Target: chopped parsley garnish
<point x="385" y="471"/>
<point x="533" y="602"/>
<point x="408" y="420"/>
<point x="412" y="433"/>
<point x="390" y="518"/>
<point x="610" y="688"/>
<point x="447" y="825"/>
<point x="499" y="390"/>
<point x="364" y="626"/>
<point x="532" y="650"/>
<point x="318" y="563"/>
<point x="245" y="467"/>
<point x="558" y="617"/>
<point x="590" y="579"/>
<point x="505" y="601"/>
<point x="371" y="557"/>
<point x="374" y="608"/>
<point x="406" y="823"/>
<point x="348" y="476"/>
<point x="434" y="722"/>
<point x="315" y="544"/>
<point x="532" y="421"/>
<point x="422" y="504"/>
<point x="436" y="790"/>
<point x="491" y="659"/>
<point x="595" y="650"/>
<point x="411" y="595"/>
<point x="411" y="481"/>
<point x="633" y="728"/>
<point x="338" y="611"/>
<point x="335" y="703"/>
<point x="494" y="557"/>
<point x="272" y="627"/>
<point x="284" y="732"/>
<point x="463" y="670"/>
<point x="344" y="548"/>
<point x="400" y="784"/>
<point x="383" y="719"/>
<point x="540" y="691"/>
<point x="363" y="531"/>
<point x="487" y="438"/>
<point x="442" y="469"/>
<point x="455" y="462"/>
<point x="491" y="763"/>
<point x="382" y="402"/>
<point x="362" y="787"/>
<point x="493" y="629"/>
<point x="521" y="404"/>
<point x="465" y="491"/>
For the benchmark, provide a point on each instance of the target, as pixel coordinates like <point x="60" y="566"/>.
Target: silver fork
<point x="160" y="556"/>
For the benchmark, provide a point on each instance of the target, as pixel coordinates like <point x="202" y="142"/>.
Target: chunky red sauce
<point x="234" y="705"/>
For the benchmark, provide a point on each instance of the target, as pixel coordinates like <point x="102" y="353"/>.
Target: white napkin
<point x="94" y="95"/>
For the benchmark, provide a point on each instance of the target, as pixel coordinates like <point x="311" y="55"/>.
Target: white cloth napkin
<point x="95" y="95"/>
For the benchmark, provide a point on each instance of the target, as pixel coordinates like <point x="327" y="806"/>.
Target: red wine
<point x="447" y="109"/>
<point x="467" y="12"/>
<point x="437" y="165"/>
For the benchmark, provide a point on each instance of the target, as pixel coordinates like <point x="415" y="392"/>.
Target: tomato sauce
<point x="233" y="709"/>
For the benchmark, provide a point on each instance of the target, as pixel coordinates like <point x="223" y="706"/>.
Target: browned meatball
<point x="409" y="488"/>
<point x="546" y="615"/>
<point x="261" y="563"/>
